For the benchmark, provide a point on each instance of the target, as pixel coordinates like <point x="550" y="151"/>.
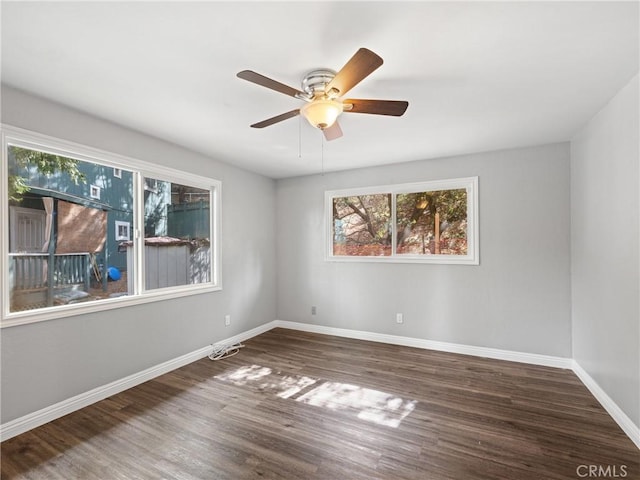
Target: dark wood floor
<point x="296" y="405"/>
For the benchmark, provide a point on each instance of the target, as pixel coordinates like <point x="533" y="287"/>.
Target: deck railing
<point x="30" y="272"/>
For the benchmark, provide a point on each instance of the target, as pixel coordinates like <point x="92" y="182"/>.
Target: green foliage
<point x="45" y="163"/>
<point x="416" y="215"/>
<point x="413" y="209"/>
<point x="17" y="187"/>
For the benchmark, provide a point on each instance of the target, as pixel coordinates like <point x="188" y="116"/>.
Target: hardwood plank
<point x="297" y="405"/>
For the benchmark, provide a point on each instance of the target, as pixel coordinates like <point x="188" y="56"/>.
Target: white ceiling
<point x="478" y="76"/>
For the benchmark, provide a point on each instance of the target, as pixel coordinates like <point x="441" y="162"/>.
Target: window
<point x="94" y="192"/>
<point x="122" y="230"/>
<point x="117" y="172"/>
<point x="150" y="185"/>
<point x="428" y="222"/>
<point x="71" y="246"/>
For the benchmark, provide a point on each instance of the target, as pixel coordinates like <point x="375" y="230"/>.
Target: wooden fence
<point x="188" y="220"/>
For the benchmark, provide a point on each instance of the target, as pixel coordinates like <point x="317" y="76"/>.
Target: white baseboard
<point x="52" y="412"/>
<point x="509" y="355"/>
<point x="254" y="332"/>
<point x="612" y="408"/>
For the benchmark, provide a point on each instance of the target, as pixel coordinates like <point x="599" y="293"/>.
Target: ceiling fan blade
<point x="355" y="70"/>
<point x="333" y="132"/>
<point x="263" y="81"/>
<point x="395" y="108"/>
<point x="276" y="119"/>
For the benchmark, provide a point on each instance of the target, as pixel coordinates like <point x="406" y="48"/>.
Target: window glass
<point x="63" y="247"/>
<point x="177" y="241"/>
<point x="432" y="222"/>
<point x="361" y="225"/>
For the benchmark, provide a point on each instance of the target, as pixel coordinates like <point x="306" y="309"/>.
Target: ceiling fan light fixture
<point x="322" y="113"/>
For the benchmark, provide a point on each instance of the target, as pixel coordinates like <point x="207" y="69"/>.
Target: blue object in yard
<point x="113" y="273"/>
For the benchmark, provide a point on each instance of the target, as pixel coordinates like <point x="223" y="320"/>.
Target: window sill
<point x="51" y="313"/>
<point x="440" y="260"/>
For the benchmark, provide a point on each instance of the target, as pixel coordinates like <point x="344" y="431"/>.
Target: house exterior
<point x="105" y="188"/>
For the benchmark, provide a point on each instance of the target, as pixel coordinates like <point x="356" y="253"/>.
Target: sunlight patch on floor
<point x="367" y="404"/>
<point x="372" y="405"/>
<point x="263" y="378"/>
<point x="244" y="375"/>
<point x="293" y="385"/>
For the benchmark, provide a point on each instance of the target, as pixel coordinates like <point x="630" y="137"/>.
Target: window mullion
<point x="393" y="226"/>
<point x="138" y="233"/>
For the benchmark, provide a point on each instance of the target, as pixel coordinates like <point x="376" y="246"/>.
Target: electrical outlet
<point x="313" y="310"/>
<point x="399" y="318"/>
<point x="227" y="320"/>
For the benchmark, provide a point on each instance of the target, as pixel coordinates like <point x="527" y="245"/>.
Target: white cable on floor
<point x="221" y="352"/>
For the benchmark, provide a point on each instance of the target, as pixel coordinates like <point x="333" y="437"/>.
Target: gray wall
<point x="518" y="298"/>
<point x="604" y="249"/>
<point x="51" y="361"/>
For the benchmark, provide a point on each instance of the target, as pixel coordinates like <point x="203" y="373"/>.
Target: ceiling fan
<point x="323" y="90"/>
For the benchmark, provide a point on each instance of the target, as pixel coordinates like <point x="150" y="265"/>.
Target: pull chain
<point x="322" y="154"/>
<point x="299" y="136"/>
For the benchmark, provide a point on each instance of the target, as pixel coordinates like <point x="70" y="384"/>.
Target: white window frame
<point x="120" y="238"/>
<point x="469" y="183"/>
<point x="94" y="192"/>
<point x="28" y="139"/>
<point x="117" y="172"/>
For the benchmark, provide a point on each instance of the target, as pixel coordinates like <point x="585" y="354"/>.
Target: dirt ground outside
<point x="114" y="287"/>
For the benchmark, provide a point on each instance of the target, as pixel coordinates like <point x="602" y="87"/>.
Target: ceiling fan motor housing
<point x="314" y="83"/>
